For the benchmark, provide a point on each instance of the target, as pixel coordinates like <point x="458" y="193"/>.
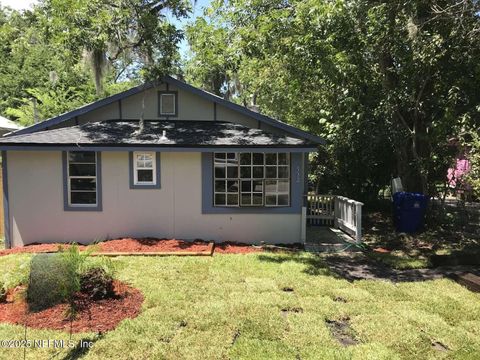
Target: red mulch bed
<point x="236" y="248"/>
<point x="144" y="245"/>
<point x="93" y="316"/>
<point x="152" y="245"/>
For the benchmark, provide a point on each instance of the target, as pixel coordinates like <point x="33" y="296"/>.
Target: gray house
<point x="202" y="168"/>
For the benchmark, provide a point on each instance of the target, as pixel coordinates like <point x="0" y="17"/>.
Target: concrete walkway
<point x="329" y="240"/>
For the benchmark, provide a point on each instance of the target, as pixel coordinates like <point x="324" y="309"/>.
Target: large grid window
<point x="82" y="178"/>
<point x="251" y="179"/>
<point x="144" y="168"/>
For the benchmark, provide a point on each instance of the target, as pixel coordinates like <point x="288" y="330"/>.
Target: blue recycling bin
<point x="409" y="211"/>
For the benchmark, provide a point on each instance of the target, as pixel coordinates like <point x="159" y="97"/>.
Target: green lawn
<point x="230" y="307"/>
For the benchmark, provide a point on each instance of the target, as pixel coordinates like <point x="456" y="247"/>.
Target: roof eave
<point x="166" y="147"/>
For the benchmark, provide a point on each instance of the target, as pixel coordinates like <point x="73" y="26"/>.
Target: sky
<point x="18" y="4"/>
<point x="197" y="11"/>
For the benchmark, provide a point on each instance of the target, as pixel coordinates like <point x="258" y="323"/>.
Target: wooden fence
<point x="338" y="211"/>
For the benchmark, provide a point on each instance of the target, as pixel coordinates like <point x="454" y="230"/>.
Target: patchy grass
<point x="452" y="230"/>
<point x="398" y="259"/>
<point x="230" y="306"/>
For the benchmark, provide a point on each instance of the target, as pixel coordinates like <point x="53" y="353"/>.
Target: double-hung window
<point x="251" y="179"/>
<point x="144" y="171"/>
<point x="82" y="181"/>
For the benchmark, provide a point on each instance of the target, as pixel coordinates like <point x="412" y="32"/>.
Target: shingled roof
<point x="177" y="134"/>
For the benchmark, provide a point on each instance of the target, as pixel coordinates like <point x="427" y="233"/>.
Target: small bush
<point x="55" y="278"/>
<point x="15" y="275"/>
<point x="97" y="284"/>
<point x="49" y="277"/>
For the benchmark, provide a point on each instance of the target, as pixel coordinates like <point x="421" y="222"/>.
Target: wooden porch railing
<point x="321" y="210"/>
<point x="333" y="210"/>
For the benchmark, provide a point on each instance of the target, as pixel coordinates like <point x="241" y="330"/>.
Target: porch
<point x="331" y="223"/>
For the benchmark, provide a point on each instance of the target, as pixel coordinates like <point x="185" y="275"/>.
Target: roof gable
<point x="181" y="85"/>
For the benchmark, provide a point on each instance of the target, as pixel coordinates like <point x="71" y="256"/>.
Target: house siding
<point x="174" y="211"/>
<point x="190" y="107"/>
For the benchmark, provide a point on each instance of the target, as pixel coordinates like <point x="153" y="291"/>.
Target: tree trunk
<point x="408" y="132"/>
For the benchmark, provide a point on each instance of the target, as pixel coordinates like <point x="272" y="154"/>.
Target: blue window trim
<point x="296" y="190"/>
<point x="6" y="208"/>
<point x="131" y="175"/>
<point x="66" y="206"/>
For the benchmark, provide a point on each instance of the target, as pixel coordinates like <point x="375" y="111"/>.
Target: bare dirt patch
<point x="92" y="316"/>
<point x="437" y="345"/>
<point x="341" y="330"/>
<point x="285" y="312"/>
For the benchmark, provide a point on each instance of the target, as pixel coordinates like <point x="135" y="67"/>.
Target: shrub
<point x="55" y="278"/>
<point x="49" y="277"/>
<point x="13" y="276"/>
<point x="97" y="284"/>
<point x="16" y="274"/>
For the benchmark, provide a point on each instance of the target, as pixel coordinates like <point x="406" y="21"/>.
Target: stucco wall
<point x="36" y="205"/>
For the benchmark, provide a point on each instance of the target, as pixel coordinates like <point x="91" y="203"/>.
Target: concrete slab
<point x="326" y="239"/>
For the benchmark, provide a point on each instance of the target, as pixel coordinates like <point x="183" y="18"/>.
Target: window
<point x="82" y="178"/>
<point x="167" y="103"/>
<point x="251" y="179"/>
<point x="144" y="168"/>
<point x="144" y="171"/>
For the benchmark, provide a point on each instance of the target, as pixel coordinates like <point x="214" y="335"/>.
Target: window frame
<point x="175" y="104"/>
<point x="136" y="168"/>
<point x="67" y="204"/>
<point x="252" y="179"/>
<point x="134" y="184"/>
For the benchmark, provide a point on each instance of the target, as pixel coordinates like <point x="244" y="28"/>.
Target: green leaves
<point x="395" y="79"/>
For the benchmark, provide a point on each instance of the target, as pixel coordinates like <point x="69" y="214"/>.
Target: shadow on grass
<point x="362" y="268"/>
<point x="314" y="264"/>
<point x="356" y="267"/>
<point x="82" y="348"/>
